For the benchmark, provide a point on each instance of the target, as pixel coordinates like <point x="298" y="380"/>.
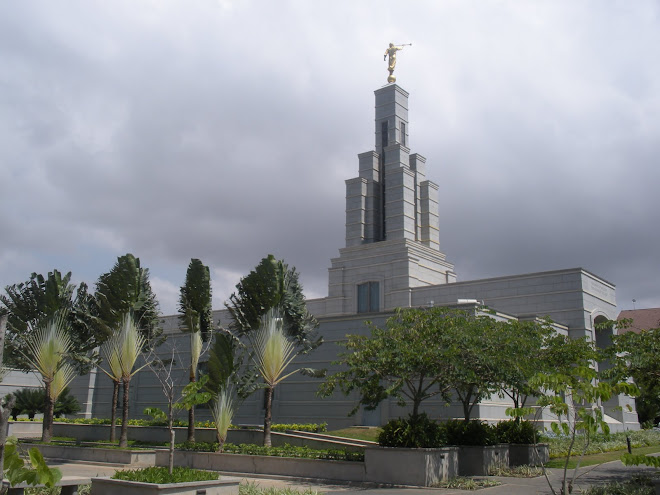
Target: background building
<point x="392" y="259"/>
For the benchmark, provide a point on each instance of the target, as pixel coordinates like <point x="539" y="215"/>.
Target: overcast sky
<point x="224" y="130"/>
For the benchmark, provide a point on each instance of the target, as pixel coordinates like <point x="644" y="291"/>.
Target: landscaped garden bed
<point x="158" y="480"/>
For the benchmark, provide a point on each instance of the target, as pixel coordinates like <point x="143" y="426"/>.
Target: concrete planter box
<point x="477" y="460"/>
<point x="25" y="429"/>
<point x="94" y="454"/>
<point x="108" y="486"/>
<point x="526" y="454"/>
<point x="418" y="467"/>
<point x="94" y="433"/>
<point x="257" y="464"/>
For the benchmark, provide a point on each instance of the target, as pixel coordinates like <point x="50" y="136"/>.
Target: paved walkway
<point x="592" y="475"/>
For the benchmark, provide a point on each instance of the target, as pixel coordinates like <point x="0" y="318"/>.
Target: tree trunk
<point x="170" y="427"/>
<point x="49" y="406"/>
<point x="191" y="411"/>
<point x="113" y="412"/>
<point x="123" y="437"/>
<point x="221" y="444"/>
<point x="5" y="413"/>
<point x="415" y="410"/>
<point x="171" y="453"/>
<point x="268" y="416"/>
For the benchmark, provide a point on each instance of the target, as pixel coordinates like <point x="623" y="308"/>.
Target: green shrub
<point x="283" y="451"/>
<point x="65" y="403"/>
<point x="459" y="432"/>
<point x="513" y="431"/>
<point x="162" y="475"/>
<point x="31" y="401"/>
<point x="415" y="432"/>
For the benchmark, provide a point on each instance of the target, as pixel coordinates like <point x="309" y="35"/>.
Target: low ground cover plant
<point x="252" y="488"/>
<point x="463" y="483"/>
<point x="161" y="475"/>
<point x="523" y="471"/>
<point x="601" y="443"/>
<point x="307" y="427"/>
<point x="282" y="451"/>
<point x="637" y="485"/>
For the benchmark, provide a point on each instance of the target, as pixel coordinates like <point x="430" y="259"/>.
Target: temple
<point x="392" y="259"/>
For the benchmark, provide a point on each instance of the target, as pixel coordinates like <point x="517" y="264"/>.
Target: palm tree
<point x="274" y="352"/>
<point x="197" y="319"/>
<point x="223" y="411"/>
<point x="46" y="350"/>
<point x="125" y="289"/>
<point x="31" y="305"/>
<point x="111" y="354"/>
<point x="122" y="351"/>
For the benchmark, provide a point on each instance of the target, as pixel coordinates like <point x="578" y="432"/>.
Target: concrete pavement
<point x="592" y="475"/>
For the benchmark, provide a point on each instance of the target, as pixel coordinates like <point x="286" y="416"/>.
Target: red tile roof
<point x="642" y="319"/>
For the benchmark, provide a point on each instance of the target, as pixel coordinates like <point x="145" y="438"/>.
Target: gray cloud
<point x="225" y="131"/>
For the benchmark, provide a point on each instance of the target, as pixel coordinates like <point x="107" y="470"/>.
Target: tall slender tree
<point x="122" y="352"/>
<point x="272" y="287"/>
<point x="46" y="350"/>
<point x="195" y="308"/>
<point x="272" y="284"/>
<point x="125" y="289"/>
<point x="274" y="353"/>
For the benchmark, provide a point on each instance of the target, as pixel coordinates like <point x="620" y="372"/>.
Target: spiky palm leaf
<point x="274" y="351"/>
<point x="62" y="378"/>
<point x="223" y="412"/>
<point x="48" y="346"/>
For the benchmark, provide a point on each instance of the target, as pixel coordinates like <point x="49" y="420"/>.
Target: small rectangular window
<point x="403" y="133"/>
<point x="368" y="297"/>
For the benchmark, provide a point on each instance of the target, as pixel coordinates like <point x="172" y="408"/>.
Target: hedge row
<point x="422" y="432"/>
<point x="308" y="427"/>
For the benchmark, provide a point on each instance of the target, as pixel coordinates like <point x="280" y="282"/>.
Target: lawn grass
<point x="591" y="459"/>
<point x="362" y="433"/>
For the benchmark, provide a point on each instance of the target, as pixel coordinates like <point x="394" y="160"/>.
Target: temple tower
<point x="392" y="227"/>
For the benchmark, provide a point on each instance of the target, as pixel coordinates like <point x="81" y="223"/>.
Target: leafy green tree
<point x="46" y="350"/>
<point x="30" y="305"/>
<point x="572" y="394"/>
<point x="637" y="356"/>
<point x="272" y="284"/>
<point x="410" y="359"/>
<point x="224" y="366"/>
<point x="476" y="365"/>
<point x="195" y="308"/>
<point x="125" y="289"/>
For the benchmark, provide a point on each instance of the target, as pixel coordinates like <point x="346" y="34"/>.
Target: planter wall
<point x="256" y="464"/>
<point x="25" y="429"/>
<point x="108" y="486"/>
<point x="138" y="458"/>
<point x="418" y="467"/>
<point x="526" y="454"/>
<point x="477" y="460"/>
